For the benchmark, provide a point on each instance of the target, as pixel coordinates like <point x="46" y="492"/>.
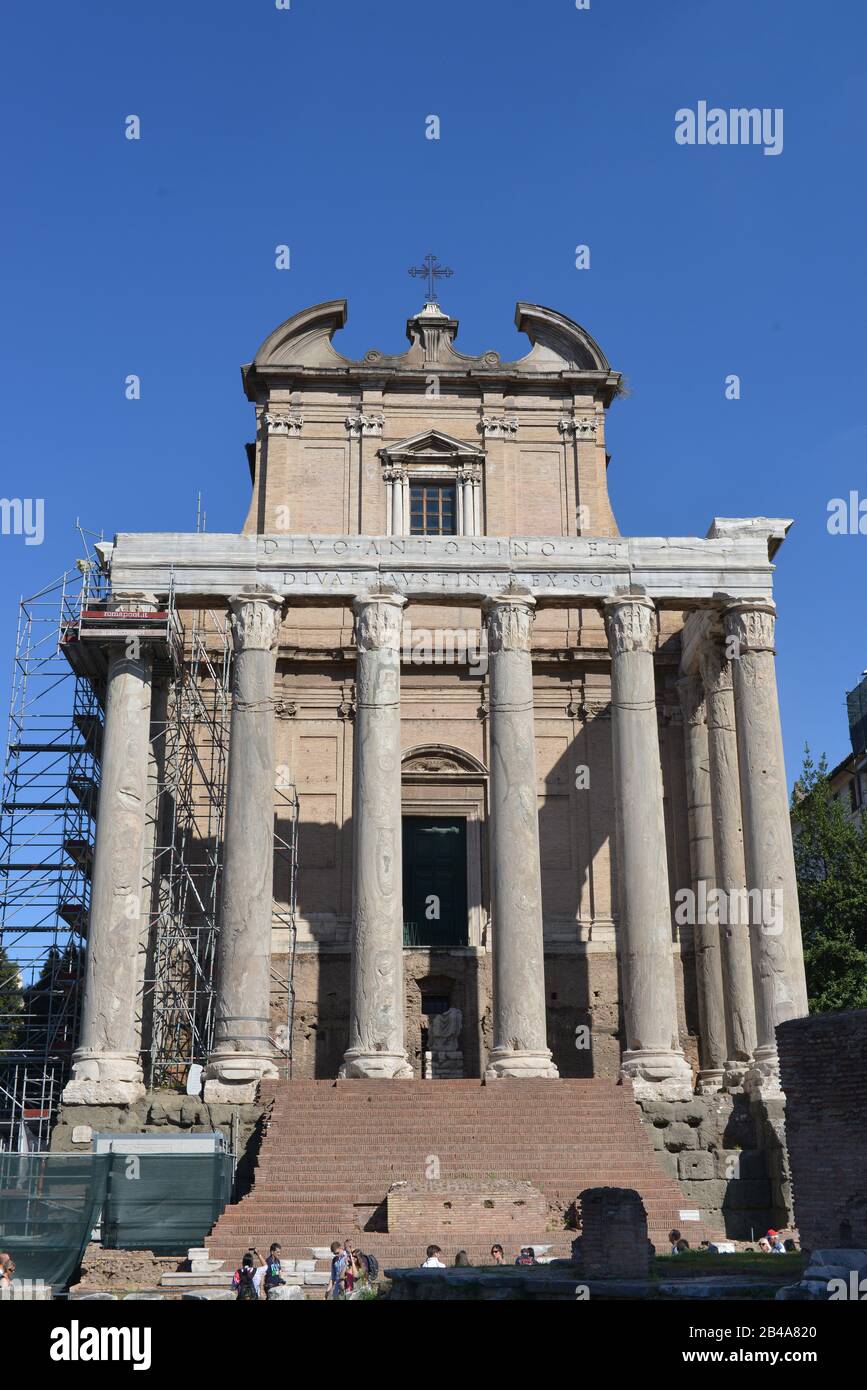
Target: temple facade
<point x="543" y="814"/>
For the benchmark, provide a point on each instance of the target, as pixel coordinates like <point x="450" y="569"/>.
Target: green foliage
<point x="831" y="864"/>
<point x="10" y="1002"/>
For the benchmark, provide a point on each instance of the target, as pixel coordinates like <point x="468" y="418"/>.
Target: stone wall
<point x="164" y="1112"/>
<point x="823" y="1061"/>
<point x="726" y="1151"/>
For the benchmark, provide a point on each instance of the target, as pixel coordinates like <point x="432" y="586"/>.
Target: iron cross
<point x="433" y="271"/>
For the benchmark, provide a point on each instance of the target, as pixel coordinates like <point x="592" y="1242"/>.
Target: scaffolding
<point x="47" y="829"/>
<point x="47" y="820"/>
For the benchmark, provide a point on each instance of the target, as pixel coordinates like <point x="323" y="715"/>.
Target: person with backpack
<point x="247" y="1280"/>
<point x="273" y="1269"/>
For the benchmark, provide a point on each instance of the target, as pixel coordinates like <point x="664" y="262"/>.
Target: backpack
<point x="246" y="1284"/>
<point x="369" y="1263"/>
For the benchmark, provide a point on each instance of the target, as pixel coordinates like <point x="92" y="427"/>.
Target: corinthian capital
<point x="255" y="621"/>
<point x="509" y="619"/>
<point x="630" y="622"/>
<point x="751" y="625"/>
<point x="378" y="622"/>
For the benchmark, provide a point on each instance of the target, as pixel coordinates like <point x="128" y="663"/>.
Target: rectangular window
<point x="432" y="509"/>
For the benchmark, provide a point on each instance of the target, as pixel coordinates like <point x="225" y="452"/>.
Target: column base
<point x="710" y="1080"/>
<point x="504" y="1061"/>
<point x="233" y="1078"/>
<point x="658" y="1075"/>
<point x="735" y="1072"/>
<point x="376" y="1066"/>
<point x="104" y="1078"/>
<point x="763" y="1075"/>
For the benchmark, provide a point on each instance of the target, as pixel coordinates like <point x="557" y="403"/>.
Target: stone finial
<point x="630" y="623"/>
<point x="378" y="621"/>
<point x="509" y="618"/>
<point x="255" y="621"/>
<point x="752" y="625"/>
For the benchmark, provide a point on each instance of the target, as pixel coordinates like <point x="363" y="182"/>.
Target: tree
<point x="831" y="864"/>
<point x="10" y="1003"/>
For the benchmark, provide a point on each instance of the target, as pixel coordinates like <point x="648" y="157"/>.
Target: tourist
<point x="338" y="1269"/>
<point x="498" y="1256"/>
<point x="433" y="1261"/>
<point x="527" y="1256"/>
<point x="673" y="1238"/>
<point x="777" y="1246"/>
<point x="273" y="1269"/>
<point x="247" y="1281"/>
<point x="765" y="1245"/>
<point x="462" y="1259"/>
<point x="7" y="1269"/>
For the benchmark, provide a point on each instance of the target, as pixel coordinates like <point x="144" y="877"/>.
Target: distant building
<point x="849" y="778"/>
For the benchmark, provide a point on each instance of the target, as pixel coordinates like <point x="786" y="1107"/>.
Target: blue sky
<point x="306" y="126"/>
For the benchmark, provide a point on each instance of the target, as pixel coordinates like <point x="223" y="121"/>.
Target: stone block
<point x="82" y="1134"/>
<point x="741" y="1163"/>
<point x="286" y="1293"/>
<point x="680" y="1136"/>
<point x="318" y="1279"/>
<point x="695" y="1165"/>
<point x="749" y="1193"/>
<point x="668" y="1162"/>
<point x="704" y="1193"/>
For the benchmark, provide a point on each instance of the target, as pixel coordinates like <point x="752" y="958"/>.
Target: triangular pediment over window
<point x="432" y="446"/>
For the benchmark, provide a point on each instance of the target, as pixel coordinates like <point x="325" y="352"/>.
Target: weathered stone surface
<point x="106" y="1066"/>
<point x="777" y="951"/>
<point x="242" y="1053"/>
<point x="729" y="861"/>
<point x="286" y="1293"/>
<point x="708" y="960"/>
<point x="681" y="1136"/>
<point x="653" y="1060"/>
<point x="376" y="1024"/>
<point x="696" y="1166"/>
<point x="520" y="1035"/>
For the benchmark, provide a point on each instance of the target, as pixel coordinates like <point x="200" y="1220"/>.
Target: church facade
<point x="543" y="816"/>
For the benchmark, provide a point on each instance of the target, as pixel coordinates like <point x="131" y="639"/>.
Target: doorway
<point x="435" y="881"/>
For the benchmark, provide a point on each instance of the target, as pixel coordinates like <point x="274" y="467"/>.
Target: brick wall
<point x="823" y="1061"/>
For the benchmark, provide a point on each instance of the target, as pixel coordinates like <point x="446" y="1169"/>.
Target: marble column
<point x="731" y="874"/>
<point x="106" y="1063"/>
<point x="397" y="518"/>
<point x="470" y="527"/>
<point x="652" y="1059"/>
<point x="520" y="1035"/>
<point x="775" y="924"/>
<point x="376" y="1030"/>
<point x="706" y="939"/>
<point x="242" y="1054"/>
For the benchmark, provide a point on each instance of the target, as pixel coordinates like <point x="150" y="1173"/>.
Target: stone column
<point x="520" y="1035"/>
<point x="652" y="1060"/>
<point x="242" y="1053"/>
<point x="376" y="1030"/>
<point x="397" y="526"/>
<point x="708" y="960"/>
<point x="106" y="1063"/>
<point x="470" y="528"/>
<point x="731" y="876"/>
<point x="775" y="923"/>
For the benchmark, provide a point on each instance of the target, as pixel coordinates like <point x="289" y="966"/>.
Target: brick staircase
<point x="332" y="1148"/>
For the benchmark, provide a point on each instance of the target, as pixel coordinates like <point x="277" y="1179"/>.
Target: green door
<point x="435" y="881"/>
